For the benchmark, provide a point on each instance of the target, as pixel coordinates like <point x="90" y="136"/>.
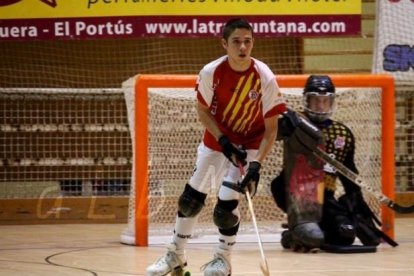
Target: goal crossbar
<point x="142" y="83"/>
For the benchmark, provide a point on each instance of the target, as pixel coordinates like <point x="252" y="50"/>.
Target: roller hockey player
<point x="305" y="188"/>
<point x="238" y="103"/>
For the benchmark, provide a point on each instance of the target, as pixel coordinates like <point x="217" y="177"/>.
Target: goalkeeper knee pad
<point x="343" y="231"/>
<point x="223" y="215"/>
<point x="347" y="232"/>
<point x="190" y="202"/>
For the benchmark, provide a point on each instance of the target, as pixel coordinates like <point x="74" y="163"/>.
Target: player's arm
<point x="251" y="180"/>
<point x="205" y="95"/>
<point x="207" y="119"/>
<point x="269" y="137"/>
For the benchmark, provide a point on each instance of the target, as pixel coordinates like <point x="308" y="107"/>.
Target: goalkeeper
<point x="238" y="103"/>
<point x="306" y="186"/>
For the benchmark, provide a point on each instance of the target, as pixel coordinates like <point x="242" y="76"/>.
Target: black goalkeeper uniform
<point x="339" y="144"/>
<point x="350" y="209"/>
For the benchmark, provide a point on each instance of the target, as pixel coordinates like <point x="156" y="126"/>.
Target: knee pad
<point x="223" y="215"/>
<point x="231" y="231"/>
<point x="344" y="232"/>
<point x="347" y="231"/>
<point x="190" y="202"/>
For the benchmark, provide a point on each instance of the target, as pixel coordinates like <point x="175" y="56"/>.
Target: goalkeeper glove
<point x="292" y="120"/>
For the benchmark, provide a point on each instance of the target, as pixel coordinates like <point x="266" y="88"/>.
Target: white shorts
<point x="212" y="168"/>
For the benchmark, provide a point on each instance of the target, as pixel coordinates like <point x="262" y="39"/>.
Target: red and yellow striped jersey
<point x="239" y="101"/>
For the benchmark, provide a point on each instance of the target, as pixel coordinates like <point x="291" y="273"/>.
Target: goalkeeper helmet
<point x="319" y="98"/>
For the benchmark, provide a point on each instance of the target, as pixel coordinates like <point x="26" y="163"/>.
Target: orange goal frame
<point x="143" y="82"/>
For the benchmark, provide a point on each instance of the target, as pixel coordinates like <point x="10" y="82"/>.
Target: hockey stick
<point x="263" y="265"/>
<point x="355" y="178"/>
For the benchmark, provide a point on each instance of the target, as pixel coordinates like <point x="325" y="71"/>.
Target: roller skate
<point x="219" y="266"/>
<point x="169" y="264"/>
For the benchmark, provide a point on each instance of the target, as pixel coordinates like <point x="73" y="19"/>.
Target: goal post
<point x="377" y="158"/>
<point x="140" y="85"/>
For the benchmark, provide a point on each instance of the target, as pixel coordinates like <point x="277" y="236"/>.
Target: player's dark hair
<point x="235" y="23"/>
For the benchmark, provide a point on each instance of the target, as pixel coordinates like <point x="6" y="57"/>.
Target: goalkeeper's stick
<point x="263" y="265"/>
<point x="355" y="178"/>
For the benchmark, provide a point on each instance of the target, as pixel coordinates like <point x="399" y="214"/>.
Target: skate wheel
<point x="181" y="272"/>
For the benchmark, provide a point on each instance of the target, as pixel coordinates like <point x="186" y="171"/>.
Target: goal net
<point x="166" y="131"/>
<point x="63" y="142"/>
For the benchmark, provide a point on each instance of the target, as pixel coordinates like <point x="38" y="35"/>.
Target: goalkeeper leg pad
<point x="223" y="215"/>
<point x="278" y="190"/>
<point x="191" y="202"/>
<point x="308" y="234"/>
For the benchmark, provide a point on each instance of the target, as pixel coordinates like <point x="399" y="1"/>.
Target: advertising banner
<point x="394" y="47"/>
<point x="92" y="19"/>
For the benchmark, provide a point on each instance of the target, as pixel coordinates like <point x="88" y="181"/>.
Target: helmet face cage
<point x="319" y="97"/>
<point x="319" y="106"/>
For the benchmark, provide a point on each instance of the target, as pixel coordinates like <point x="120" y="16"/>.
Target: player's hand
<point x="251" y="179"/>
<point x="234" y="154"/>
